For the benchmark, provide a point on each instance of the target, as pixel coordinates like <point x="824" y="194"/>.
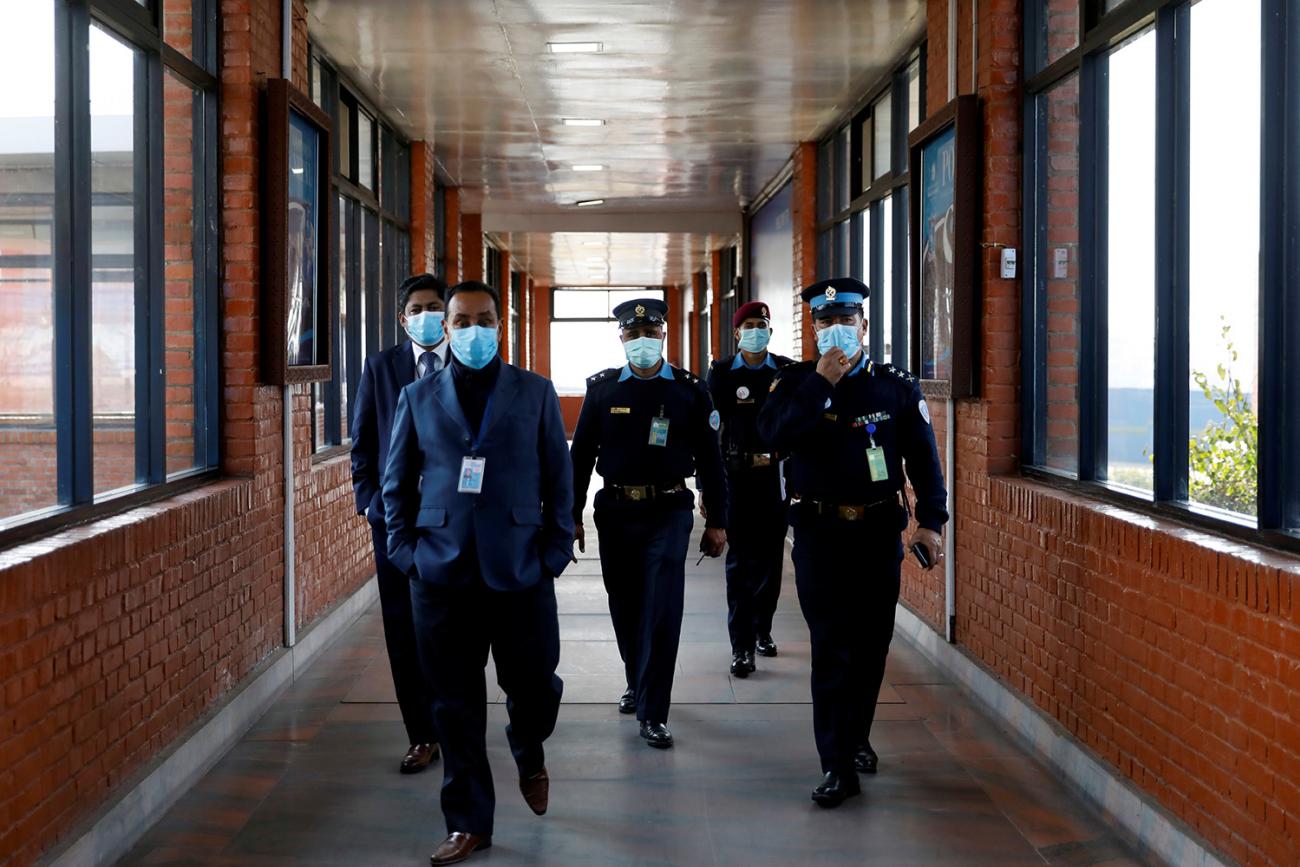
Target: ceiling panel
<point x="703" y="99"/>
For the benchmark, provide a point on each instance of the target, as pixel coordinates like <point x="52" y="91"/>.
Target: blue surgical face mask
<point x="843" y="336"/>
<point x="644" y="351"/>
<point x="754" y="339"/>
<point x="426" y="328"/>
<point x="474" y="346"/>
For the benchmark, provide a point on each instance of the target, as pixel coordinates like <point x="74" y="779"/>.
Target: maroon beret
<point x="752" y="310"/>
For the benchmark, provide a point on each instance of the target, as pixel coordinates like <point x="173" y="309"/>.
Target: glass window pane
<point x="841" y="265"/>
<point x="1060" y="29"/>
<point x="365" y="150"/>
<point x="317" y="82"/>
<point x="1058" y="267"/>
<point x="914" y="108"/>
<point x="112" y="243"/>
<point x="318" y="417"/>
<point x="864" y="238"/>
<point x="1224" y="260"/>
<point x="344" y="139"/>
<point x="842" y="179"/>
<point x="1130" y="270"/>
<point x="28" y="455"/>
<point x="579" y="349"/>
<point x="180" y="167"/>
<point x="882" y="154"/>
<point x="618" y="296"/>
<point x="581" y="304"/>
<point x="864" y="136"/>
<point x="886" y="285"/>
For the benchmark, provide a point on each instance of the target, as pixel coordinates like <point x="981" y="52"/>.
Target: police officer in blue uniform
<point x="646" y="427"/>
<point x="851" y="428"/>
<point x="756" y="502"/>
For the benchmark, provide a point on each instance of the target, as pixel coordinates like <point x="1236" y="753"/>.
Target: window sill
<point x="329" y="453"/>
<point x="1239" y="528"/>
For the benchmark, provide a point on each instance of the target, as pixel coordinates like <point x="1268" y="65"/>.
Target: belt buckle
<point x="763" y="460"/>
<point x="849" y="513"/>
<point x="635" y="492"/>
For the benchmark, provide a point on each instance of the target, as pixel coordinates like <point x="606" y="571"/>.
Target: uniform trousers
<point x="455" y="628"/>
<point x="755" y="553"/>
<point x="847" y="575"/>
<point x="413" y="696"/>
<point x="643" y="563"/>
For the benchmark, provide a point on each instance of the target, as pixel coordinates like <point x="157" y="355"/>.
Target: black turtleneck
<point x="473" y="387"/>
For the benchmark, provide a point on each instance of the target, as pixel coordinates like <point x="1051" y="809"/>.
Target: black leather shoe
<point x="834" y="788"/>
<point x="766" y="646"/>
<point x="866" y="760"/>
<point x="627" y="703"/>
<point x="742" y="663"/>
<point x="656" y="735"/>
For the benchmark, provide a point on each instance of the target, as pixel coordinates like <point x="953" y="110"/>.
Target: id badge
<point x="877" y="465"/>
<point x="471" y="475"/>
<point x="659" y="431"/>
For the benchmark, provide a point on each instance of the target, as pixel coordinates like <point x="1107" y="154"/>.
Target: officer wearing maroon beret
<point x="757" y="505"/>
<point x="852" y="427"/>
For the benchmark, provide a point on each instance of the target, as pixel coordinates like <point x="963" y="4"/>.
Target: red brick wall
<point x="422" y="210"/>
<point x="451" y="237"/>
<point x="471" y="246"/>
<point x="803" y="220"/>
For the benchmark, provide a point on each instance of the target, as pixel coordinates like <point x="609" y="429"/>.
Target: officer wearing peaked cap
<point x="757" y="508"/>
<point x="646" y="427"/>
<point x="851" y="427"/>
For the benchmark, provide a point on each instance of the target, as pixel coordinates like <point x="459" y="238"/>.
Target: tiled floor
<point x="315" y="781"/>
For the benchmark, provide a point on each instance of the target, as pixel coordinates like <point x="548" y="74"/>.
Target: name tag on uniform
<point x="620" y="410"/>
<point x="471" y="475"/>
<point x="876" y="464"/>
<point x="659" y="431"/>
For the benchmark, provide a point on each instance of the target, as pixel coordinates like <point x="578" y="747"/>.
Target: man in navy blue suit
<point x="478" y="497"/>
<point x="421" y="305"/>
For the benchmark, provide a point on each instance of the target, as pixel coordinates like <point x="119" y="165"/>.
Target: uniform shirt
<point x="739" y="392"/>
<point x="823" y="428"/>
<point x="613" y="436"/>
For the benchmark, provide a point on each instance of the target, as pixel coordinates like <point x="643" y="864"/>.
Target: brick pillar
<point x="676" y="307"/>
<point x="451" y="235"/>
<point x="542" y="338"/>
<point x="424" y="230"/>
<point x="471" y="246"/>
<point x="715" y="303"/>
<point x="507" y="309"/>
<point x="803" y="221"/>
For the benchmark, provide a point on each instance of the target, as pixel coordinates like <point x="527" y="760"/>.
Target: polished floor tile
<point x="315" y="781"/>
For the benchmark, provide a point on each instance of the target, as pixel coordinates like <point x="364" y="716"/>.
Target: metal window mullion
<point x="207" y="302"/>
<point x="899" y="273"/>
<point x="1094" y="177"/>
<point x="1279" y="307"/>
<point x="1173" y="73"/>
<point x="874" y="278"/>
<point x="1033" y="301"/>
<point x="73" y="404"/>
<point x="150" y="283"/>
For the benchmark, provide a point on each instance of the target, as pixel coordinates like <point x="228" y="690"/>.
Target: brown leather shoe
<point x="458" y="846"/>
<point x="536" y="791"/>
<point x="419" y="757"/>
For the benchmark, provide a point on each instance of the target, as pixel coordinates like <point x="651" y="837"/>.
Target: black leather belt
<point x="845" y="511"/>
<point x="643" y="493"/>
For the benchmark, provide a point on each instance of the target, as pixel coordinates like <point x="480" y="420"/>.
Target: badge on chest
<point x="471" y="475"/>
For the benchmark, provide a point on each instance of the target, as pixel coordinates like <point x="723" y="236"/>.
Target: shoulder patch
<point x="923" y="408"/>
<point x="715" y="420"/>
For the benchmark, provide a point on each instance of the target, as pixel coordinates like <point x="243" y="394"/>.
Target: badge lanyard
<point x="472" y="467"/>
<point x="877" y="466"/>
<point x="659" y="429"/>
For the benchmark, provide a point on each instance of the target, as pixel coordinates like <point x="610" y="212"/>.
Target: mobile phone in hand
<point x="922" y="554"/>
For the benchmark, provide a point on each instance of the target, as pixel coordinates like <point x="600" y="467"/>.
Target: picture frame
<point x="297" y="234"/>
<point x="945" y="155"/>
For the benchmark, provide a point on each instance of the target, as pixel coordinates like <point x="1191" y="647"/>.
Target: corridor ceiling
<point x="702" y="102"/>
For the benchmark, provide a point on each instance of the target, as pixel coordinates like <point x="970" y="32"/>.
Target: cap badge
<point x="830" y="293"/>
<point x="640" y="310"/>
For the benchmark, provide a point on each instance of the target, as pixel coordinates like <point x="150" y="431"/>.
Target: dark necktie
<point x="429" y="359"/>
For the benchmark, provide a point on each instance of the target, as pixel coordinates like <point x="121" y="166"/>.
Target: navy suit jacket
<point x="383" y="377"/>
<point x="521" y="525"/>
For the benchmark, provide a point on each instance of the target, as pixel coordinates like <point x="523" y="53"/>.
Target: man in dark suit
<point x="421" y="306"/>
<point x="478" y="496"/>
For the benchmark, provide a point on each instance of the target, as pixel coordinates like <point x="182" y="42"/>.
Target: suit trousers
<point x="755" y="553"/>
<point x="413" y="695"/>
<point x="643" y="562"/>
<point x="847" y="576"/>
<point x="455" y="628"/>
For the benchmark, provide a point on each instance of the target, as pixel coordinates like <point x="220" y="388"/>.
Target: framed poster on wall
<point x="946" y="171"/>
<point x="296" y="236"/>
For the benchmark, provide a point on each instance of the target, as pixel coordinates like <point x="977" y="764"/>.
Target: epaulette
<point x="685" y="374"/>
<point x="887" y="368"/>
<point x="602" y="376"/>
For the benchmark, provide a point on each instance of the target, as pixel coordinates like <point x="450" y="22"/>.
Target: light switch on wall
<point x="1008" y="263"/>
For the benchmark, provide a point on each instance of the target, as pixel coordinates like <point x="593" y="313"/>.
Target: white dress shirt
<point x="440" y="350"/>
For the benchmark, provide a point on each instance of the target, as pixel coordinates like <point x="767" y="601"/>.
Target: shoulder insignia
<point x="775" y="380"/>
<point x="686" y="375"/>
<point x="886" y="367"/>
<point x="602" y="376"/>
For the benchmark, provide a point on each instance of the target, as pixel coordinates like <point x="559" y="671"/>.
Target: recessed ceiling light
<point x="588" y="168"/>
<point x="583" y="121"/>
<point x="591" y="203"/>
<point x="574" y="47"/>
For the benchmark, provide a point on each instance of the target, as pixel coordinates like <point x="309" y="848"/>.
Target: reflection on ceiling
<point x="702" y="101"/>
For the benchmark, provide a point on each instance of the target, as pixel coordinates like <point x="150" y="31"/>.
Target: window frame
<point x="1277" y="519"/>
<point x="867" y="195"/>
<point x="139" y="28"/>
